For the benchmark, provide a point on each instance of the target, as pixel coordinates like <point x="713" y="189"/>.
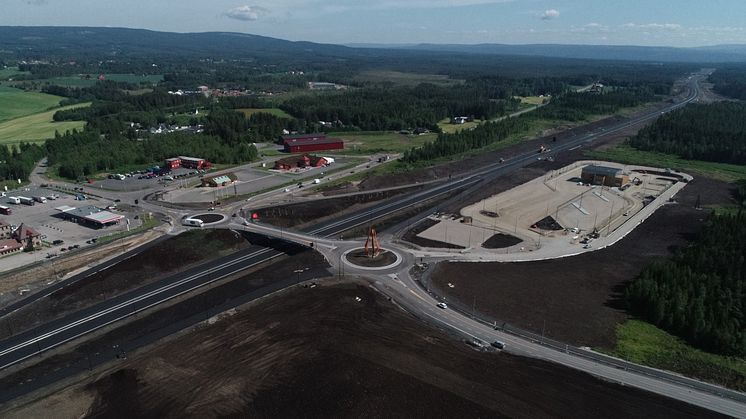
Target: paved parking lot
<point x="43" y="218"/>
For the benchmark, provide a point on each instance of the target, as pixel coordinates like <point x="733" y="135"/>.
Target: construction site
<point x="562" y="212"/>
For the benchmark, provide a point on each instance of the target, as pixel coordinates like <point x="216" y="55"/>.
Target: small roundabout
<point x="209" y="218"/>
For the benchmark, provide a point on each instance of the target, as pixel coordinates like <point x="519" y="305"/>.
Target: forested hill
<point x="45" y="42"/>
<point x="54" y="42"/>
<point x="603" y="52"/>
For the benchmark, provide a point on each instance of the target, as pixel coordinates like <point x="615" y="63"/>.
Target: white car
<point x="442" y="305"/>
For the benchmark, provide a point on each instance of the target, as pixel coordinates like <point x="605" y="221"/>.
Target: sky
<point x="681" y="23"/>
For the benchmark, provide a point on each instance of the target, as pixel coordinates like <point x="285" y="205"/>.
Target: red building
<point x="187" y="163"/>
<point x="310" y="142"/>
<point x="172" y="163"/>
<point x="300" y="161"/>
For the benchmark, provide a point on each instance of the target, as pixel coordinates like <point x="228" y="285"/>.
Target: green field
<point x="38" y="127"/>
<point x="15" y="103"/>
<point x="76" y="81"/>
<point x="368" y="142"/>
<point x="6" y="73"/>
<point x="406" y="79"/>
<point x="272" y="111"/>
<point x="450" y="128"/>
<point x="531" y="100"/>
<point x="627" y="154"/>
<point x="645" y="344"/>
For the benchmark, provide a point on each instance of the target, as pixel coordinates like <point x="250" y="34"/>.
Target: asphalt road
<point x="24" y="345"/>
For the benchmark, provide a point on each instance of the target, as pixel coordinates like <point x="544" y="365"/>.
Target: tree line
<point x="82" y="154"/>
<point x="730" y="81"/>
<point x="569" y="107"/>
<point x="396" y="108"/>
<point x="17" y="161"/>
<point x="715" y="132"/>
<point x="700" y="294"/>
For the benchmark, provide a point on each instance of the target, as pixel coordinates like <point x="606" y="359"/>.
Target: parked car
<point x="58" y="242"/>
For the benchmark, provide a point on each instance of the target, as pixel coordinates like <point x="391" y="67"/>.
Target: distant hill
<point x="714" y="54"/>
<point x="63" y="42"/>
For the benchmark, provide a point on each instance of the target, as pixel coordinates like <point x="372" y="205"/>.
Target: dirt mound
<point x="501" y="241"/>
<point x="548" y="223"/>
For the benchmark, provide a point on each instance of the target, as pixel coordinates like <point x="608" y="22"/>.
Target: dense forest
<point x="577" y="106"/>
<point x="396" y="108"/>
<point x="81" y="154"/>
<point x="730" y="81"/>
<point x="700" y="295"/>
<point x="714" y="132"/>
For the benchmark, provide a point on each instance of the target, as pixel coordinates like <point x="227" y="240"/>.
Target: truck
<point x="26" y="200"/>
<point x="5" y="210"/>
<point x="40" y="199"/>
<point x="14" y="200"/>
<point x="192" y="222"/>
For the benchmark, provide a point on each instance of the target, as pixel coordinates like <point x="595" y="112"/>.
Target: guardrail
<point x="596" y="356"/>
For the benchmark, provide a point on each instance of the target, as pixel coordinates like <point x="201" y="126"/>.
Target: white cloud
<point x="550" y="14"/>
<point x="668" y="26"/>
<point x="246" y="13"/>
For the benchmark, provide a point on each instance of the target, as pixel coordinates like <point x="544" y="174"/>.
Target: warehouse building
<point x="604" y="175"/>
<point x="187" y="163"/>
<point x="304" y="143"/>
<point x="90" y="216"/>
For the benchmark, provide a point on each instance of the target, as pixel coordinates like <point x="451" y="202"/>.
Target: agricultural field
<point x="368" y="142"/>
<point x="272" y="111"/>
<point x="37" y="127"/>
<point x="406" y="79"/>
<point x="76" y="81"/>
<point x="15" y="103"/>
<point x="450" y="128"/>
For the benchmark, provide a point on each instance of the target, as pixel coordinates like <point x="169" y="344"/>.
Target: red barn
<point x="194" y="163"/>
<point x="310" y="142"/>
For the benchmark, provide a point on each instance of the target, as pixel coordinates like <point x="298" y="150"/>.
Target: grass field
<point x="272" y="111"/>
<point x="450" y="128"/>
<point x="6" y="73"/>
<point x="406" y="79"/>
<point x="37" y="128"/>
<point x="645" y="344"/>
<point x="15" y="103"/>
<point x="368" y="142"/>
<point x="531" y="100"/>
<point x="627" y="154"/>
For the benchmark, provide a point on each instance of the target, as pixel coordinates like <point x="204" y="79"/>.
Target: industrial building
<point x="304" y="143"/>
<point x="221" y="180"/>
<point x="604" y="175"/>
<point x="90" y="216"/>
<point x="303" y="161"/>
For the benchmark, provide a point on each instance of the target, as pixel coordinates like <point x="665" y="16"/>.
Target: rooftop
<point x="602" y="170"/>
<point x="94" y="214"/>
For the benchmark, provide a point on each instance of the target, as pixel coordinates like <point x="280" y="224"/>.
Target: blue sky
<point x="616" y="22"/>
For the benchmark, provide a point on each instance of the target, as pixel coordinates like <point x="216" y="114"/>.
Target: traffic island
<point x="359" y="258"/>
<point x="209" y="218"/>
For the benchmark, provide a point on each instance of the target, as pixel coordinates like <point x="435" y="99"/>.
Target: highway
<point x="26" y="344"/>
